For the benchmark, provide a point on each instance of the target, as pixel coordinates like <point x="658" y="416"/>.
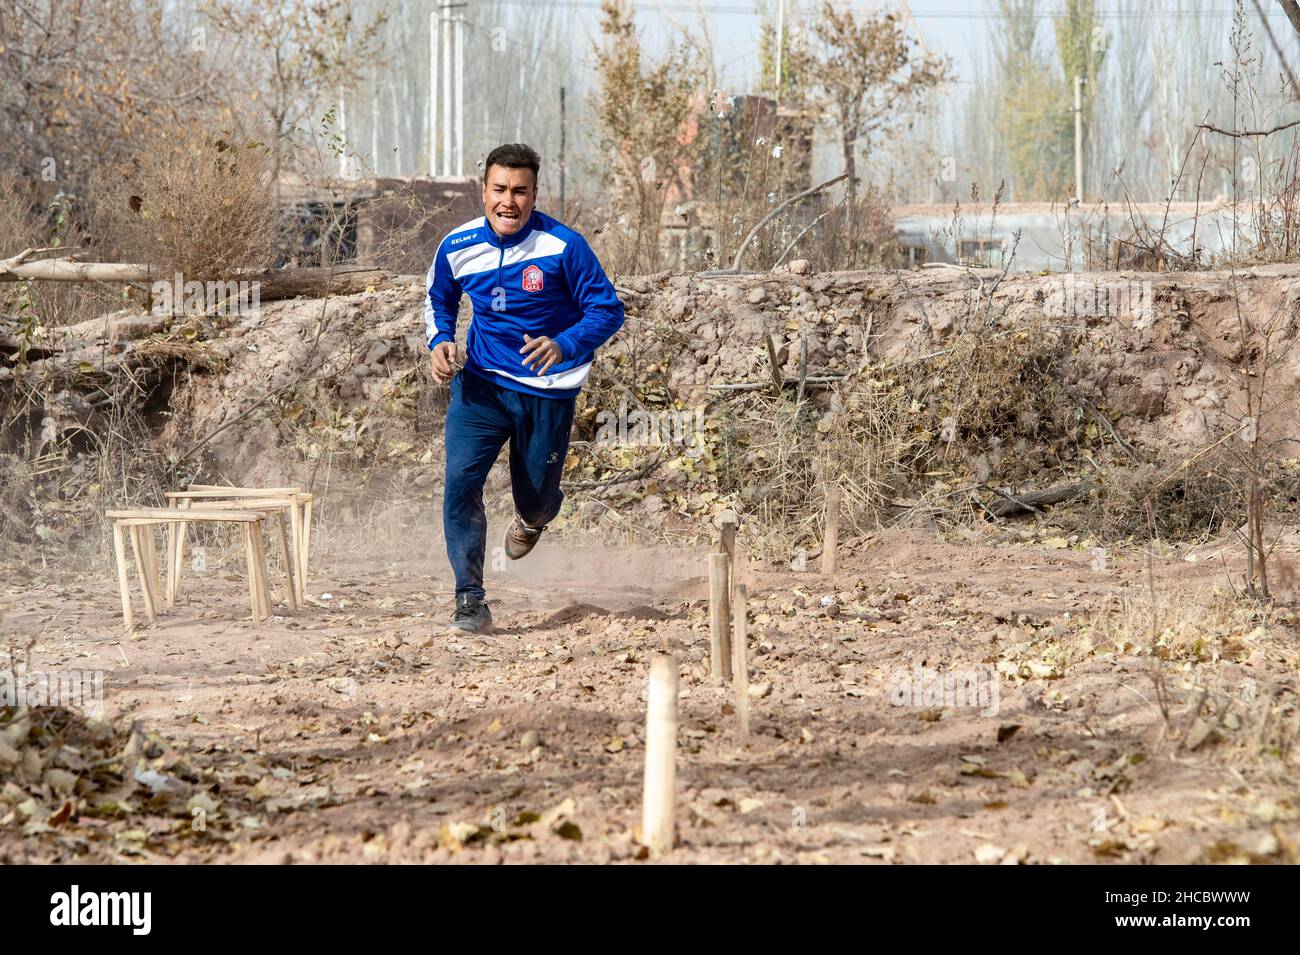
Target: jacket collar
<point x="514" y="239"/>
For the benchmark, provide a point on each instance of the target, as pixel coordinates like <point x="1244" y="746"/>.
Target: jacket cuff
<point x="439" y="338"/>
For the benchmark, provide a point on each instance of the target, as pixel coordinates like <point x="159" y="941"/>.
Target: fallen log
<point x="272" y="285"/>
<point x="1009" y="505"/>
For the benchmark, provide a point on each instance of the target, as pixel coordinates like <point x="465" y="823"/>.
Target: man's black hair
<point x="513" y="156"/>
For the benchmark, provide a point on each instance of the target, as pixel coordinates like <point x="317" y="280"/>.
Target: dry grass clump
<point x="1196" y="627"/>
<point x="889" y="430"/>
<point x="990" y="389"/>
<point x="36" y="218"/>
<point x="188" y="202"/>
<point x="1183" y="504"/>
<point x="65" y="465"/>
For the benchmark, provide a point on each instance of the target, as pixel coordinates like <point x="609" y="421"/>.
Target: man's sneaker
<point x="520" y="538"/>
<point x="472" y="615"/>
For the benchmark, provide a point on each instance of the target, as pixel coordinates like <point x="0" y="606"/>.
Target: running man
<point x="542" y="306"/>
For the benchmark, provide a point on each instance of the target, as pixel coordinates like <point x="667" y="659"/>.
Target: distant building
<point x="1043" y="236"/>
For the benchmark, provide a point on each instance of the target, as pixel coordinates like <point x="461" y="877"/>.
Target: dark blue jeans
<point x="482" y="416"/>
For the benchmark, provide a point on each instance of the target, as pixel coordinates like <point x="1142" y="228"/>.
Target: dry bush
<point x="1193" y="627"/>
<point x="32" y="218"/>
<point x="405" y="216"/>
<point x="875" y="448"/>
<point x="21" y="214"/>
<point x="1184" y="504"/>
<point x="68" y="463"/>
<point x="996" y="386"/>
<point x="855" y="234"/>
<point x="884" y="435"/>
<point x="188" y="203"/>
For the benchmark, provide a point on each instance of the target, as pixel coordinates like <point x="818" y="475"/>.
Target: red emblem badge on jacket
<point x="532" y="279"/>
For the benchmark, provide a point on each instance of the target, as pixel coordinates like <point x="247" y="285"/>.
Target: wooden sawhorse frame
<point x="138" y="522"/>
<point x="268" y="499"/>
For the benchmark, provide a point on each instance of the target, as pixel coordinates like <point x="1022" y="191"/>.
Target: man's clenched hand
<point x="442" y="362"/>
<point x="540" y="353"/>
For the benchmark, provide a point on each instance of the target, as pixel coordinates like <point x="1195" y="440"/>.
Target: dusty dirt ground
<point x="358" y="730"/>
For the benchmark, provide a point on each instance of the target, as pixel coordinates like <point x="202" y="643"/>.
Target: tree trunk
<point x="272" y="285"/>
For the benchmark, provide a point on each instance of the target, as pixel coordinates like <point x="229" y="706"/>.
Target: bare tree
<point x="872" y="74"/>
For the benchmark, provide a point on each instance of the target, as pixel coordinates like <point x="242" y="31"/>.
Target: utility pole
<point x="1078" y="139"/>
<point x="434" y="17"/>
<point x="564" y="206"/>
<point x="460" y="90"/>
<point x="447" y="97"/>
<point x="444" y="38"/>
<point x="780" y="33"/>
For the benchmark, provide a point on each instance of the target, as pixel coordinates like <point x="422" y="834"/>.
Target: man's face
<point x="508" y="198"/>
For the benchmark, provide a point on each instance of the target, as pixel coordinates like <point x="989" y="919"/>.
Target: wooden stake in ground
<point x="727" y="545"/>
<point x="740" y="655"/>
<point x="831" y="542"/>
<point x="719" y="619"/>
<point x="660" y="755"/>
<point x="179" y="561"/>
<point x="776" y="368"/>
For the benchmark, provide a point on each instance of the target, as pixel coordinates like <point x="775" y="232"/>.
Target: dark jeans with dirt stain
<point x="482" y="416"/>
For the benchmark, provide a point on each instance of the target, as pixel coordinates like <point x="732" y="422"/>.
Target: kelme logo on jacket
<point x="532" y="279"/>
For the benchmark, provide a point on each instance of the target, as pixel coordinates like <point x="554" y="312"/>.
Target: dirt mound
<point x="928" y="394"/>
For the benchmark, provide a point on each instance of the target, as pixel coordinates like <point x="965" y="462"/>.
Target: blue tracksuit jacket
<point x="543" y="280"/>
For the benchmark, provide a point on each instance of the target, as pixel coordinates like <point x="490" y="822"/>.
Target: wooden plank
<point x="162" y="515"/>
<point x="251" y="559"/>
<point x="246" y="503"/>
<point x="295" y="522"/>
<point x="171" y="560"/>
<point x="151" y="565"/>
<point x="180" y="552"/>
<point x="123" y="581"/>
<point x="289" y="561"/>
<point x="137" y="549"/>
<point x="212" y="492"/>
<point x="306" y="540"/>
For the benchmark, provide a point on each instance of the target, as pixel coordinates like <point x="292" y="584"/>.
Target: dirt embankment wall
<point x="1162" y="355"/>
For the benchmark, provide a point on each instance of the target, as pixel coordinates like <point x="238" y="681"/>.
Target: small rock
<point x="530" y="740"/>
<point x="758" y="691"/>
